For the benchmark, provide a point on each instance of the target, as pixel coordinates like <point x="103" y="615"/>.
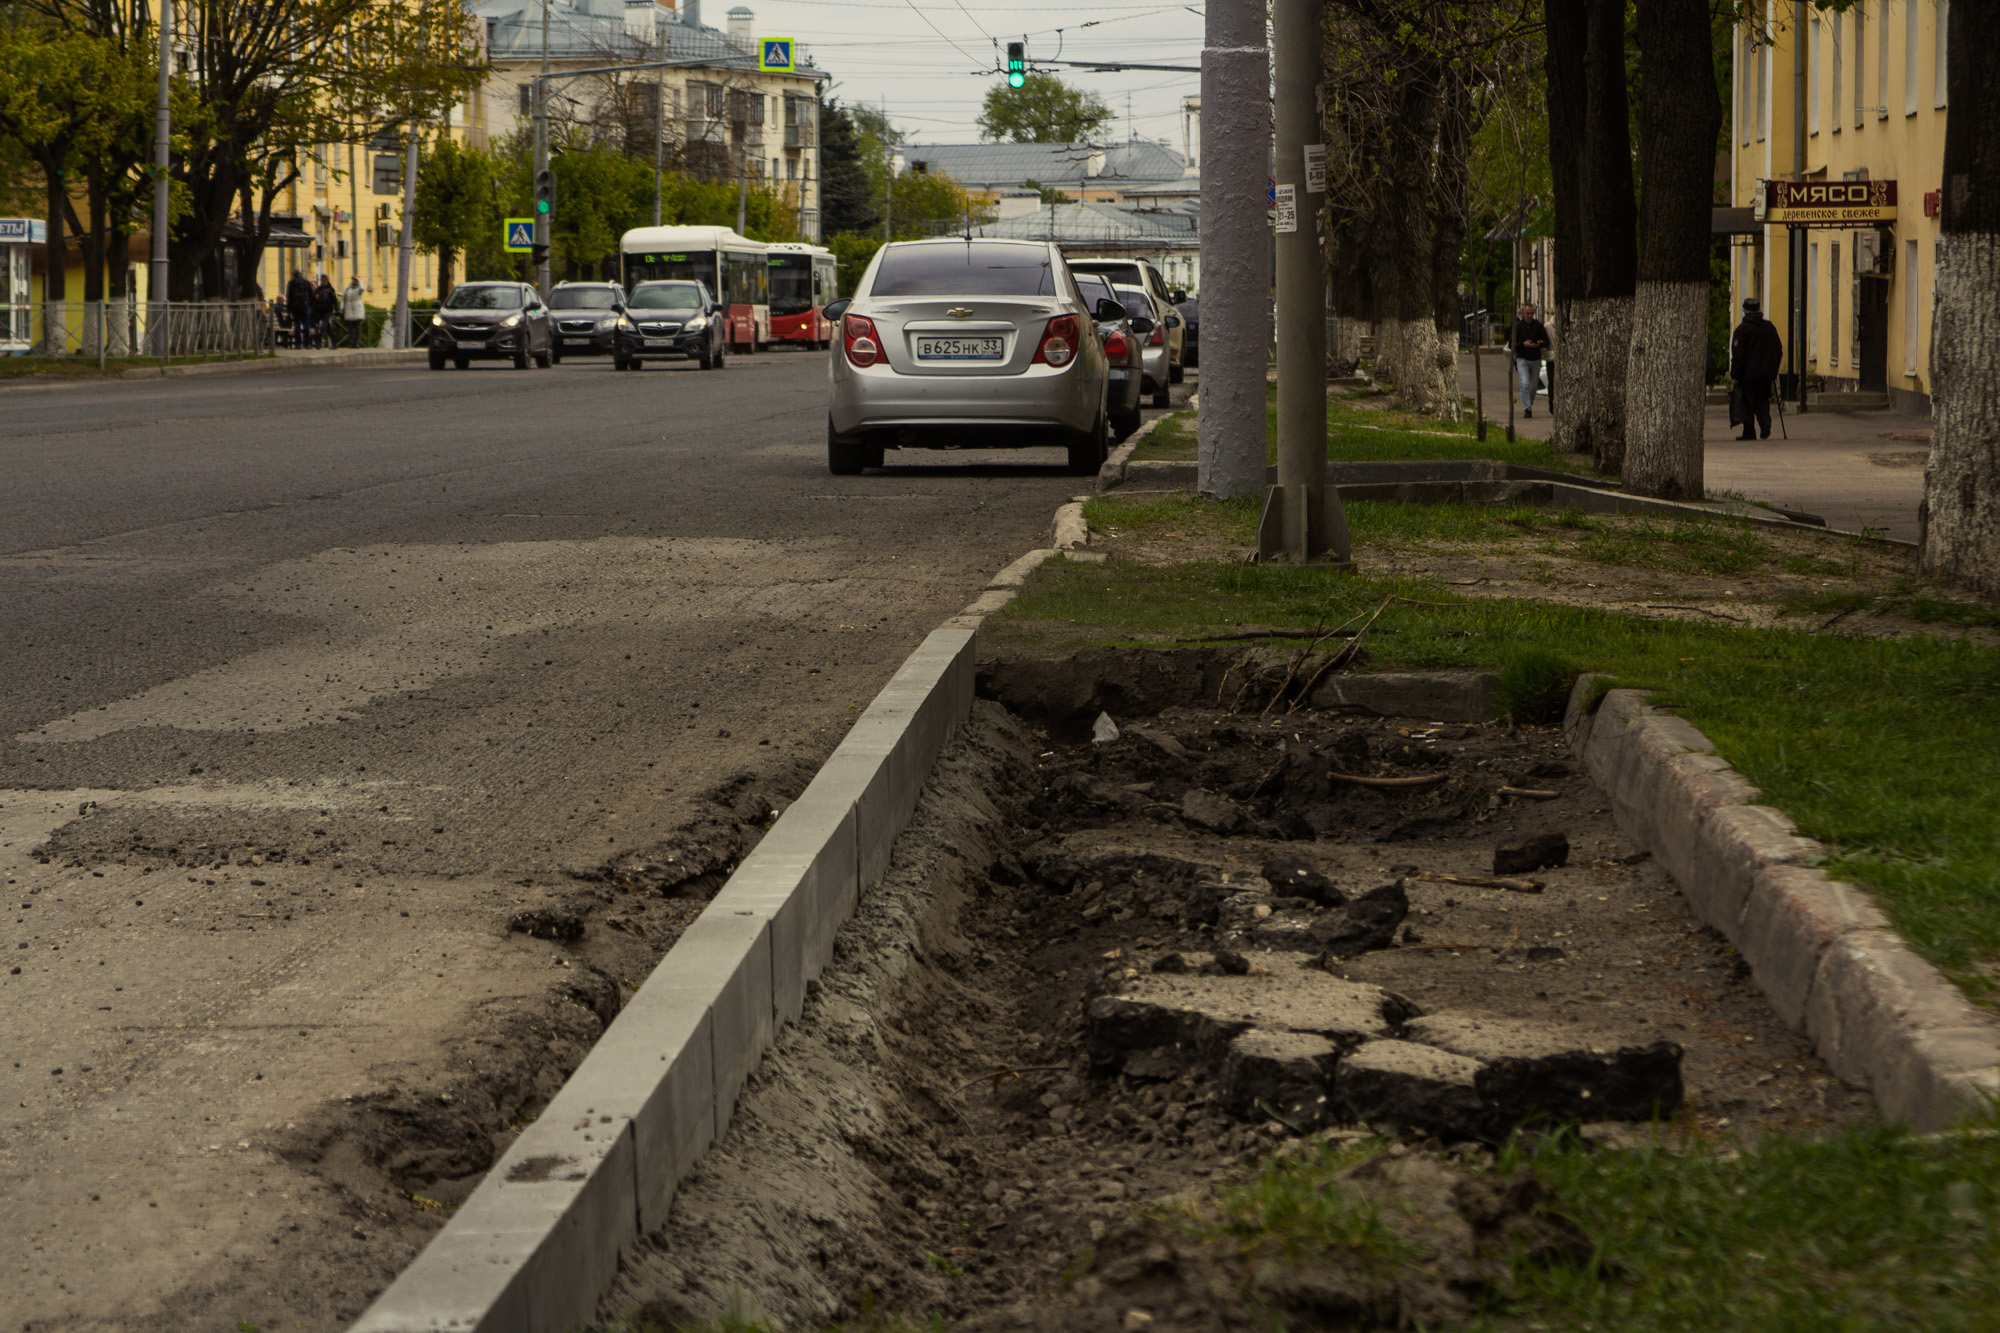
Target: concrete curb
<point x="360" y="356"/>
<point x="537" y="1244"/>
<point x="1880" y="1016"/>
<point x="1113" y="472"/>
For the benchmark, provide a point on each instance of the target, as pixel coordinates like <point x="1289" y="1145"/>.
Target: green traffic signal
<point x="1015" y="78"/>
<point x="1017" y="64"/>
<point x="541" y="205"/>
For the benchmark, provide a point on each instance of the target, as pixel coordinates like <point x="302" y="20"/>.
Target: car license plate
<point x="580" y="342"/>
<point x="658" y="342"/>
<point x="961" y="349"/>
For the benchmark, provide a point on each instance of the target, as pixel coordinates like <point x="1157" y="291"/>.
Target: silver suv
<point x="1171" y="333"/>
<point x="966" y="343"/>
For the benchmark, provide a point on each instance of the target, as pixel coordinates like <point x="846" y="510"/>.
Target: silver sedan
<point x="966" y="343"/>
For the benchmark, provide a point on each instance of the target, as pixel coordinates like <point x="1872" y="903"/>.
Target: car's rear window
<point x="969" y="269"/>
<point x="1125" y="275"/>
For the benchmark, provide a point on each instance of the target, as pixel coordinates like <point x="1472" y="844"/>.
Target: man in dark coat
<point x="1755" y="353"/>
<point x="299" y="300"/>
<point x="1530" y="340"/>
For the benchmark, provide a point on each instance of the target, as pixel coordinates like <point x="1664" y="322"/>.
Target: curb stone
<point x="1113" y="471"/>
<point x="537" y="1244"/>
<point x="1879" y="1015"/>
<point x="365" y="356"/>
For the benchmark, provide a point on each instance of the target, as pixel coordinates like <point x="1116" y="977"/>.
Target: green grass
<point x="1295" y="1205"/>
<point x="1358" y="432"/>
<point x="1717" y="545"/>
<point x="1867" y="1228"/>
<point x="1886" y="749"/>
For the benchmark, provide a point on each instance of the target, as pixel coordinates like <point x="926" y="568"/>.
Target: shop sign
<point x="23" y="231"/>
<point x="1829" y="203"/>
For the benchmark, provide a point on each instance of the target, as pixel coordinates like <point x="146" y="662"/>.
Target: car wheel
<point x="462" y="362"/>
<point x="1177" y="374"/>
<point x="555" y="355"/>
<point x="542" y="360"/>
<point x="521" y="357"/>
<point x="721" y="356"/>
<point x="1126" y="423"/>
<point x="1088" y="451"/>
<point x="706" y="360"/>
<point x="437" y="358"/>
<point x="845" y="455"/>
<point x="1163" y="397"/>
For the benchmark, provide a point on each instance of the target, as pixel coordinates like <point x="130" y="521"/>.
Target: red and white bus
<point x="735" y="268"/>
<point x="802" y="284"/>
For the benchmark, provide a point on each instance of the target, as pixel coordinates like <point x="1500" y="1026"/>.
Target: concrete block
<point x="1791" y="914"/>
<point x="805" y="876"/>
<point x="1732" y="846"/>
<point x="723" y="959"/>
<point x="1581" y="713"/>
<point x="1879" y="1014"/>
<point x="1435" y="696"/>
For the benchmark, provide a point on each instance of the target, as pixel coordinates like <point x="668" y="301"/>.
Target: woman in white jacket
<point x="354" y="310"/>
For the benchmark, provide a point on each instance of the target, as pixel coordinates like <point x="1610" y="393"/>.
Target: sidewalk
<point x="286" y="359"/>
<point x="1855" y="469"/>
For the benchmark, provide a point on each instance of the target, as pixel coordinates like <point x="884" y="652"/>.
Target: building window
<point x="1940" y="79"/>
<point x="791" y="168"/>
<point x="1833" y="303"/>
<point x="1812" y="79"/>
<point x="1833" y="84"/>
<point x="1909" y="57"/>
<point x="1860" y="61"/>
<point x="1910" y="285"/>
<point x="527" y="95"/>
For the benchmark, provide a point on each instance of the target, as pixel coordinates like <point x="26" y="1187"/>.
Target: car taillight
<point x="857" y="335"/>
<point x="1058" y="345"/>
<point x="1159" y="335"/>
<point x="1118" y="347"/>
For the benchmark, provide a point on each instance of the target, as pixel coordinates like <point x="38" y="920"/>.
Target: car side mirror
<point x="1109" y="311"/>
<point x="1142" y="325"/>
<point x="838" y="308"/>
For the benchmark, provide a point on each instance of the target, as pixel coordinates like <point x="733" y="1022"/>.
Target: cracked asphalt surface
<point x="311" y="680"/>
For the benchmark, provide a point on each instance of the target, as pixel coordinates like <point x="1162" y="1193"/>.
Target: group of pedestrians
<point x="1755" y="355"/>
<point x="314" y="307"/>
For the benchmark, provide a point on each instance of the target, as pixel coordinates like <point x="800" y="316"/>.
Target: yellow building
<point x="1824" y="99"/>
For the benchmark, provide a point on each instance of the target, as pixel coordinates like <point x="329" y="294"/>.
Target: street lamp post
<point x="157" y="277"/>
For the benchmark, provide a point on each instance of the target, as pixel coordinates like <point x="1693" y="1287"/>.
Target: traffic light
<point x="545" y="193"/>
<point x="1017" y="64"/>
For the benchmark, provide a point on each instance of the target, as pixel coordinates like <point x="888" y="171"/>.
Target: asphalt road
<point x="310" y="681"/>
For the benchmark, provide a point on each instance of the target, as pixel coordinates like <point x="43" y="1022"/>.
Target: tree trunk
<point x="1568" y="31"/>
<point x="1961" y="528"/>
<point x="1679" y="117"/>
<point x="447" y="262"/>
<point x="55" y="279"/>
<point x="1606" y="216"/>
<point x="119" y="260"/>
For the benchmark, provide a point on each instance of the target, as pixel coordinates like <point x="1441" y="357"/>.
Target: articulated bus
<point x="802" y="283"/>
<point x="735" y="268"/>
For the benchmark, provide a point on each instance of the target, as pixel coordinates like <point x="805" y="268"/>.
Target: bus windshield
<point x="791" y="284"/>
<point x="697" y="266"/>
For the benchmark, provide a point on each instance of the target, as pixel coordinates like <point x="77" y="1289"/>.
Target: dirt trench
<point x="1104" y="977"/>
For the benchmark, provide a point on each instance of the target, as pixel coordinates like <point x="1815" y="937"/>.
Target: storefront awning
<point x="286" y="234"/>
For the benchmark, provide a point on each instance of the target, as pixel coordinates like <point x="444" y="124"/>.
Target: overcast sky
<point x="917" y="58"/>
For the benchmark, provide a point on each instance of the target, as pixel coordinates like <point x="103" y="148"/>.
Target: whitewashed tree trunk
<point x="1606" y="364"/>
<point x="1664" y="390"/>
<point x="55" y="328"/>
<point x="1424" y="363"/>
<point x="1388" y="346"/>
<point x="119" y="310"/>
<point x="1575" y="385"/>
<point x="1961" y="536"/>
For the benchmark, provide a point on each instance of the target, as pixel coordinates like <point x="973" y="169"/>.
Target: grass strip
<point x="1888" y="750"/>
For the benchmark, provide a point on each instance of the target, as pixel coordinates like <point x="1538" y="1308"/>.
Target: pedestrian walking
<point x="354" y="310"/>
<point x="299" y="301"/>
<point x="1755" y="353"/>
<point x="1530" y="341"/>
<point x="326" y="303"/>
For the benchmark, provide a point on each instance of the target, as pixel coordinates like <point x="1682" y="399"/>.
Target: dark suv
<point x="491" y="320"/>
<point x="671" y="320"/>
<point x="586" y="318"/>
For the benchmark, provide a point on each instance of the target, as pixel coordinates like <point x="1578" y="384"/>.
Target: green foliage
<point x="1050" y="194"/>
<point x="852" y="252"/>
<point x="1042" y="110"/>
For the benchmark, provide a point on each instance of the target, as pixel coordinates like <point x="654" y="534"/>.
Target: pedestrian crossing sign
<point x="775" y="56"/>
<point x="519" y="236"/>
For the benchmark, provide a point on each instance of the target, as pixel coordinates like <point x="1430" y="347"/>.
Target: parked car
<point x="491" y="320"/>
<point x="1121" y="348"/>
<point x="669" y="321"/>
<point x="1190" y="311"/>
<point x="1153" y="350"/>
<point x="586" y="317"/>
<point x="967" y="343"/>
<point x="1141" y="273"/>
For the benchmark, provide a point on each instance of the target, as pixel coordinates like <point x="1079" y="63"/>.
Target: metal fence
<point x="165" y="330"/>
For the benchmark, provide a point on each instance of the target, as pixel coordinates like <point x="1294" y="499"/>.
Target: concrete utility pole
<point x="1302" y="518"/>
<point x="1235" y="247"/>
<point x="403" y="251"/>
<point x="1800" y="265"/>
<point x="659" y="141"/>
<point x="156" y="278"/>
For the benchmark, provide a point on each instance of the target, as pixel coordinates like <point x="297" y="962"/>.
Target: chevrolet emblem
<point x="959" y="312"/>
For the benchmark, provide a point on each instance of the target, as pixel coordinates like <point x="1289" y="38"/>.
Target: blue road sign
<point x="520" y="235"/>
<point x="775" y="55"/>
